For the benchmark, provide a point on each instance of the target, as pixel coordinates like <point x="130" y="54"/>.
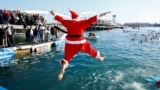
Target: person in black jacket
<point x="1" y="16"/>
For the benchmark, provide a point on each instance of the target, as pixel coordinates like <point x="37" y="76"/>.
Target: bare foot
<point x="60" y="75"/>
<point x="101" y="58"/>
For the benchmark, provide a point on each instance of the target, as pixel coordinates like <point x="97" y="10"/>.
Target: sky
<point x="126" y="11"/>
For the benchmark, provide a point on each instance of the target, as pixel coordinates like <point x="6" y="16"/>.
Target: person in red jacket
<point x="75" y="41"/>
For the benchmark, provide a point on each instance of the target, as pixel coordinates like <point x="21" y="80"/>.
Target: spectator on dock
<point x="13" y="18"/>
<point x="31" y="34"/>
<point x="52" y="32"/>
<point x="46" y="33"/>
<point x="55" y="30"/>
<point x="41" y="33"/>
<point x="1" y="16"/>
<point x="1" y="29"/>
<point x="38" y="33"/>
<point x="4" y="37"/>
<point x="10" y="33"/>
<point x="27" y="34"/>
<point x="18" y="17"/>
<point x="6" y="16"/>
<point x="24" y="24"/>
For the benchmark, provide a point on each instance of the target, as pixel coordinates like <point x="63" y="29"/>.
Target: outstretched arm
<point x="61" y="15"/>
<point x="103" y="14"/>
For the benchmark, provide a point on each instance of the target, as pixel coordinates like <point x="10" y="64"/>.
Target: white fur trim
<point x="64" y="61"/>
<point x="98" y="54"/>
<point x="75" y="42"/>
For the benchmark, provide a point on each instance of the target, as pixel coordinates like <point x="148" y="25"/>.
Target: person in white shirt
<point x="31" y="34"/>
<point x="10" y="33"/>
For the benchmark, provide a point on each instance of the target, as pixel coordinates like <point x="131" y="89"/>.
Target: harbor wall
<point x="8" y="55"/>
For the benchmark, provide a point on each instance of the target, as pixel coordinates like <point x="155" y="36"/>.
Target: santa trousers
<point x="73" y="49"/>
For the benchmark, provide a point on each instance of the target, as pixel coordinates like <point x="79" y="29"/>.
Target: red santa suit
<point x="75" y="41"/>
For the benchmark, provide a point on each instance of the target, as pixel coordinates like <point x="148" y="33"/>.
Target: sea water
<point x="127" y="63"/>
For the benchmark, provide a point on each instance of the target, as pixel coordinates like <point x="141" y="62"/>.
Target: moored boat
<point x="92" y="37"/>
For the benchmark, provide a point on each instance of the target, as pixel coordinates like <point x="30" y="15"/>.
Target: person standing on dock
<point x="1" y="16"/>
<point x="30" y="34"/>
<point x="75" y="41"/>
<point x="51" y="32"/>
<point x="54" y="33"/>
<point x="46" y="33"/>
<point x="38" y="33"/>
<point x="10" y="33"/>
<point x="4" y="37"/>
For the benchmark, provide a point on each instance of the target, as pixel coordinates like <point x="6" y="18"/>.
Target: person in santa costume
<point x="75" y="41"/>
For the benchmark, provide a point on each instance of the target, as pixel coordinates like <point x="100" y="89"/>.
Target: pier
<point x="24" y="49"/>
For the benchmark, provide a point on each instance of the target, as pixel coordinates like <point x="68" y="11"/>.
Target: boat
<point x="104" y="25"/>
<point x="92" y="37"/>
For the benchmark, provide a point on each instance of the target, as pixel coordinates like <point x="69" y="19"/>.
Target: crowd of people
<point x="36" y="30"/>
<point x="40" y="34"/>
<point x="143" y="36"/>
<point x="20" y="17"/>
<point x="34" y="34"/>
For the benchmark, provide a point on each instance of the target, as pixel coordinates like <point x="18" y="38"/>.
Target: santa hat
<point x="74" y="15"/>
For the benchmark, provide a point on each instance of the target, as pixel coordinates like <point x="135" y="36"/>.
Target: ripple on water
<point x="111" y="77"/>
<point x="126" y="65"/>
